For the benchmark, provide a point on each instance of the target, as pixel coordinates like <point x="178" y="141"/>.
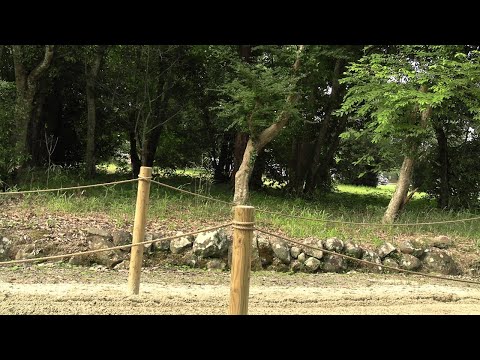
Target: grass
<point x="346" y="203"/>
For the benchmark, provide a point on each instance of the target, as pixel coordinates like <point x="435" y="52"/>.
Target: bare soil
<point x="54" y="288"/>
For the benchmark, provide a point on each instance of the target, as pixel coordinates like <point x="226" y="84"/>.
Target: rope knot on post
<point x="243" y="225"/>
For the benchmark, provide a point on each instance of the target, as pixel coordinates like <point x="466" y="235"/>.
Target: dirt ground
<point x="56" y="288"/>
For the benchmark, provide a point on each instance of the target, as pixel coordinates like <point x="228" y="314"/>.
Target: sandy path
<point x="39" y="290"/>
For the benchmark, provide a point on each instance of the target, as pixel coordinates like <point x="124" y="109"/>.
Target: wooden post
<point x="136" y="253"/>
<point x="241" y="258"/>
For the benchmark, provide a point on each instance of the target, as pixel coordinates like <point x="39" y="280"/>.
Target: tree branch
<point x="20" y="71"/>
<point x="269" y="133"/>
<point x="42" y="67"/>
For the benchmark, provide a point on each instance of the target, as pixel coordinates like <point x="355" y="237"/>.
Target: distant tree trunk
<point x="222" y="167"/>
<point x="134" y="159"/>
<point x="27" y="84"/>
<point x="91" y="73"/>
<point x="298" y="165"/>
<point x="242" y="177"/>
<point x="332" y="141"/>
<point x="37" y="137"/>
<point x="2" y="50"/>
<point x="323" y="151"/>
<point x="150" y="145"/>
<point x="444" y="199"/>
<point x="151" y="136"/>
<point x="401" y="190"/>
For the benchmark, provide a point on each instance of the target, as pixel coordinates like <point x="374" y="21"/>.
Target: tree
<point x="399" y="87"/>
<point x="262" y="101"/>
<point x="92" y="67"/>
<point x="27" y="82"/>
<point x="7" y="157"/>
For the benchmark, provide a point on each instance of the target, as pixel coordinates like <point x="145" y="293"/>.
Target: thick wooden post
<point x="241" y="258"/>
<point x="136" y="254"/>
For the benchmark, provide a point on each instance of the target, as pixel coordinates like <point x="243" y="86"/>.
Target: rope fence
<point x="233" y="204"/>
<point x="315" y="219"/>
<point x="67" y="188"/>
<point x="243" y="227"/>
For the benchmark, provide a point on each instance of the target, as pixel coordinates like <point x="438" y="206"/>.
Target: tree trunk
<point x="242" y="177"/>
<point x="298" y="165"/>
<point x="256" y="181"/>
<point x="91" y="73"/>
<point x="27" y="84"/>
<point x="323" y="177"/>
<point x="150" y="145"/>
<point x="239" y="146"/>
<point x="222" y="167"/>
<point x="321" y="143"/>
<point x="401" y="190"/>
<point x="444" y="199"/>
<point x="134" y="159"/>
<point x="404" y="180"/>
<point x="37" y="137"/>
<point x="23" y="115"/>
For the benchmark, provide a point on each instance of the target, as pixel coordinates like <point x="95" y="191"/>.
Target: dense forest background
<point x="305" y="117"/>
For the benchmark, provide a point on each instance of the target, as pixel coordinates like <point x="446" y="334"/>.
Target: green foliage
<point x="257" y="91"/>
<point x="359" y="159"/>
<point x="385" y="86"/>
<point x="463" y="168"/>
<point x="7" y="155"/>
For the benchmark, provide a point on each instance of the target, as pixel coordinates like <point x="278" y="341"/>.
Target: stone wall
<point x="212" y="250"/>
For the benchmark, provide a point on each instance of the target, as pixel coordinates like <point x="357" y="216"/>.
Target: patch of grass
<point x="177" y="210"/>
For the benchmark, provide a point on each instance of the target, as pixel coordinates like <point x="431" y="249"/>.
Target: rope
<point x="11" y="262"/>
<point x="368" y="262"/>
<point x="67" y="188"/>
<point x="317" y="219"/>
<point x="365" y="223"/>
<point x="243" y="225"/>
<point x="191" y="193"/>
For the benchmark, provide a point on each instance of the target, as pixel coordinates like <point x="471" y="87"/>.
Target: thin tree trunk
<point x="221" y="172"/>
<point x="27" y="84"/>
<point x="405" y="177"/>
<point x="37" y="136"/>
<point x="134" y="159"/>
<point x="242" y="177"/>
<point x="444" y="199"/>
<point x="256" y="181"/>
<point x="321" y="143"/>
<point x="298" y="165"/>
<point x="401" y="190"/>
<point x="150" y="145"/>
<point x="327" y="161"/>
<point x="91" y="73"/>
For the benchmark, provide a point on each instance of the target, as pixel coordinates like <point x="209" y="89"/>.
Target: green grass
<point x="346" y="203"/>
